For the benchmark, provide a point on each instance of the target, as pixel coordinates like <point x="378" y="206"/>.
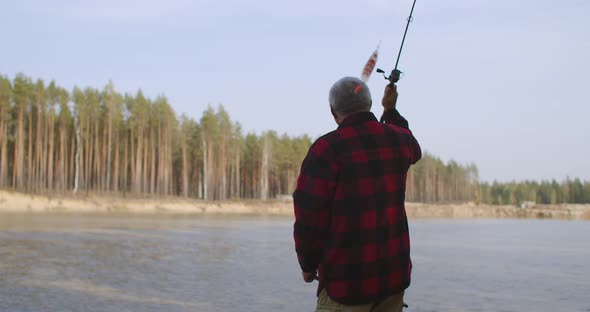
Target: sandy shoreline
<point x="12" y="202"/>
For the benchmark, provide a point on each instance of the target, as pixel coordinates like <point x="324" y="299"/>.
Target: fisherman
<point x="351" y="229"/>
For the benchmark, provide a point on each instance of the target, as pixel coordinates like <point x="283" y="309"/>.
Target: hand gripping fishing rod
<point x="396" y="73"/>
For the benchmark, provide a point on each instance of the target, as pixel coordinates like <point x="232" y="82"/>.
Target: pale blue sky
<point x="503" y="84"/>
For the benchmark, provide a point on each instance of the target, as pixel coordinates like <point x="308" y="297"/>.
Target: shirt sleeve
<point x="312" y="198"/>
<point x="393" y="117"/>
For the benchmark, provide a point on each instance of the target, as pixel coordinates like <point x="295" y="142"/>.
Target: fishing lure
<point x="368" y="69"/>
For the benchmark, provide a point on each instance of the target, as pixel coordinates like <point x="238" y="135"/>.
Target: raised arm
<point x="392" y="116"/>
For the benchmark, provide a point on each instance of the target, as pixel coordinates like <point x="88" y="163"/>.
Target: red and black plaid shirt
<point x="350" y="219"/>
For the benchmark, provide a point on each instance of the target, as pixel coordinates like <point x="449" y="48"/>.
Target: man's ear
<point x="370" y="104"/>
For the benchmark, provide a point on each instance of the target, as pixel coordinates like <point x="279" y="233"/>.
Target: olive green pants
<point x="393" y="303"/>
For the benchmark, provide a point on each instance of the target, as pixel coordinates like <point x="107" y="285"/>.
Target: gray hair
<point x="349" y="95"/>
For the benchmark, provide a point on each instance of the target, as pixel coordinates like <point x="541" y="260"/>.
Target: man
<point x="351" y="229"/>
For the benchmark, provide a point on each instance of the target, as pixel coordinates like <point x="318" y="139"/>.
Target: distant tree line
<point x="102" y="141"/>
<point x="545" y="192"/>
<point x="432" y="180"/>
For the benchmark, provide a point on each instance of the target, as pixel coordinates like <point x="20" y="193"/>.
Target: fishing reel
<point x="394" y="77"/>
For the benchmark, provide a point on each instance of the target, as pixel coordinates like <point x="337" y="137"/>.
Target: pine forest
<point x="100" y="141"/>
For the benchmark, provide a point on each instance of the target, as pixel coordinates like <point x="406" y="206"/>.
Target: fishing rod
<point x="396" y="73"/>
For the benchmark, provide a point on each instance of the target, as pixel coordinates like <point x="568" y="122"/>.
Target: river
<point x="213" y="263"/>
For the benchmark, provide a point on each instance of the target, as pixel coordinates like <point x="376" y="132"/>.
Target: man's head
<point x="349" y="95"/>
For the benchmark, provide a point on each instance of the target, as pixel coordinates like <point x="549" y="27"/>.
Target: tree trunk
<point x="39" y="150"/>
<point x="145" y="164"/>
<point x="237" y="173"/>
<point x="184" y="166"/>
<point x="153" y="160"/>
<point x="77" y="156"/>
<point x="138" y="159"/>
<point x="97" y="159"/>
<point x="74" y="145"/>
<point x="126" y="158"/>
<point x="86" y="153"/>
<point x="29" y="169"/>
<point x="115" y="177"/>
<point x="3" y="155"/>
<point x="50" y="164"/>
<point x="264" y="170"/>
<point x="18" y="172"/>
<point x="63" y="170"/>
<point x="131" y="160"/>
<point x="205" y="170"/>
<point x="109" y="152"/>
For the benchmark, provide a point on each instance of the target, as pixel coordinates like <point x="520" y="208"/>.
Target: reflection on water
<point x="155" y="263"/>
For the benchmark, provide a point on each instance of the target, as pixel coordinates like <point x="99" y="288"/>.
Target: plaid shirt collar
<point x="357" y="118"/>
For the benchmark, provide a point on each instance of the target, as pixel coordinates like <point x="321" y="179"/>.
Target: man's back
<point x="349" y="204"/>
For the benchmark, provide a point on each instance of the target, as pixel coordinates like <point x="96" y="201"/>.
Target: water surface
<point x="159" y="263"/>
